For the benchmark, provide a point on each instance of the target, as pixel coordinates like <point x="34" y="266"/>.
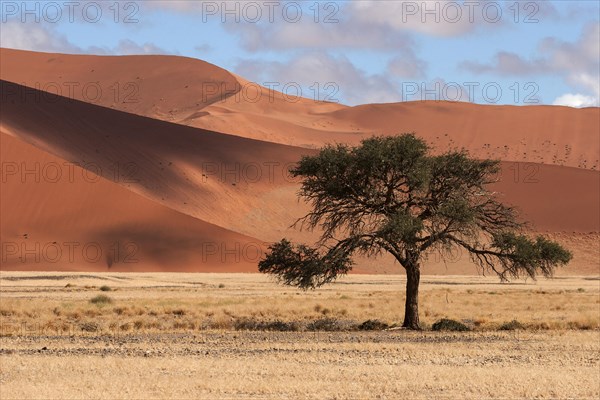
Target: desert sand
<point x="181" y="336"/>
<point x="176" y="157"/>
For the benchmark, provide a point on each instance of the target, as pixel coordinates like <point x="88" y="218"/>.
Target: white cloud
<point x="128" y="47"/>
<point x="585" y="80"/>
<point x="309" y="35"/>
<point x="346" y="27"/>
<point x="576" y="100"/>
<point x="407" y="66"/>
<point x="35" y="37"/>
<point x="577" y="62"/>
<point x="436" y="18"/>
<point x="582" y="55"/>
<point x="508" y="64"/>
<point x="355" y="85"/>
<point x="356" y="20"/>
<point x="45" y="38"/>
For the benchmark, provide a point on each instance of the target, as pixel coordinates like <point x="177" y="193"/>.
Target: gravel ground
<point x="387" y="364"/>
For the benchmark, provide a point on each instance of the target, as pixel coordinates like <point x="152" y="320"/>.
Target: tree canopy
<point x="390" y="194"/>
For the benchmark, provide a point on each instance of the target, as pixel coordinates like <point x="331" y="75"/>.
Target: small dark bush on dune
<point x="446" y="324"/>
<point x="105" y="288"/>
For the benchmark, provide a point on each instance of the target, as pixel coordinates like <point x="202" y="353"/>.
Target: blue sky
<point x="490" y="52"/>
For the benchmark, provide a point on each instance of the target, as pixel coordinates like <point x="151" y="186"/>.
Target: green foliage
<point x="401" y="227"/>
<point x="390" y="195"/>
<point x="446" y="324"/>
<point x="526" y="256"/>
<point x="352" y="188"/>
<point x="303" y="266"/>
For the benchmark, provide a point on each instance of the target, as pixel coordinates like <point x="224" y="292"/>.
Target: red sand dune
<point x="225" y="180"/>
<point x="195" y="93"/>
<point x="192" y="185"/>
<point x="60" y="217"/>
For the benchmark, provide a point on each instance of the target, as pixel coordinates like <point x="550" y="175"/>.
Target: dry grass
<point x="296" y="365"/>
<point x="54" y="303"/>
<point x="173" y="336"/>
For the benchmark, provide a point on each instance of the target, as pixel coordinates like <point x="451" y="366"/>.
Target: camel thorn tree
<point x="391" y="195"/>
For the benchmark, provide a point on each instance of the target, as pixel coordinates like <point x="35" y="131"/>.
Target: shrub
<point x="105" y="288"/>
<point x="511" y="326"/>
<point x="247" y="324"/>
<point x="583" y="325"/>
<point x="373" y="325"/>
<point x="327" y="324"/>
<point x="446" y="324"/>
<point x="281" y="326"/>
<point x="101" y="299"/>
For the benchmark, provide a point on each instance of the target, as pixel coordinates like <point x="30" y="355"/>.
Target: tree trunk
<point x="411" y="311"/>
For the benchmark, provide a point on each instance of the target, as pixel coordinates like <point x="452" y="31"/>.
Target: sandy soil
<point x="184" y="358"/>
<point x="386" y="365"/>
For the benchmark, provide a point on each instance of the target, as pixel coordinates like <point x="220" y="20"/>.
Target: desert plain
<point x="244" y="336"/>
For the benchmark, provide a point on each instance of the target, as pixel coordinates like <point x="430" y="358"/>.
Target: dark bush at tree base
<point x="328" y="325"/>
<point x="511" y="326"/>
<point x="247" y="324"/>
<point x="446" y="324"/>
<point x="373" y="325"/>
